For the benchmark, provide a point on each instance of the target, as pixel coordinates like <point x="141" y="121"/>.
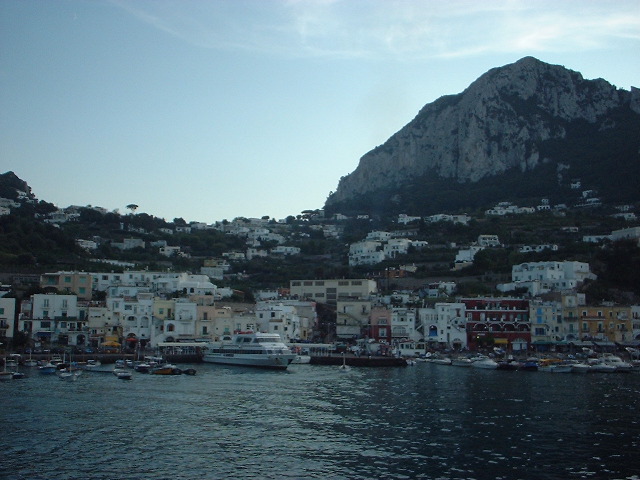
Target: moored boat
<point x="250" y="349"/>
<point x="529" y="365"/>
<point x="440" y="360"/>
<point x="166" y="369"/>
<point x="580" y="367"/>
<point x="620" y="365"/>
<point x="553" y="365"/>
<point x="461" y="362"/>
<point x="123" y="375"/>
<point x="486" y="363"/>
<point x="302" y="359"/>
<point x="47" y="369"/>
<point x="508" y="365"/>
<point x="601" y="367"/>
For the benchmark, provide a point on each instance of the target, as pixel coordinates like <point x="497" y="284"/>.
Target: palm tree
<point x="133" y="207"/>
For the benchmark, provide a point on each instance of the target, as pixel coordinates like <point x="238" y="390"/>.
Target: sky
<point x="212" y="110"/>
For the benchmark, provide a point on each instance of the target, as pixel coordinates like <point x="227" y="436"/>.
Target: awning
<point x="501" y="341"/>
<point x="110" y="344"/>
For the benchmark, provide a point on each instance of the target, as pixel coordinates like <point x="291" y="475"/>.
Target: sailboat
<point x="30" y="362"/>
<point x="344" y="367"/>
<point x="70" y="373"/>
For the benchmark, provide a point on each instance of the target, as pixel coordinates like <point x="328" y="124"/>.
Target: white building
<point x="467" y="255"/>
<point x="285" y="250"/>
<point x="7" y="315"/>
<point x="403" y="324"/>
<point x="367" y="252"/>
<point x="378" y="236"/>
<point x="396" y="246"/>
<point x="445" y="324"/>
<point x="488" y="241"/>
<point x="552" y="275"/>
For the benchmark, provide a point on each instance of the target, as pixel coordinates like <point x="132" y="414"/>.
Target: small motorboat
<point x="124" y="375"/>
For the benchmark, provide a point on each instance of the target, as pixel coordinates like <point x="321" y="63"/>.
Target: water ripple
<point x="429" y="422"/>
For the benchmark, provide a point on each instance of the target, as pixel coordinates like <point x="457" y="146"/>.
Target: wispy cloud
<point x="392" y="28"/>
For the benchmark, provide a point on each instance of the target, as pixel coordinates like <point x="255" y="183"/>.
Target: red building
<point x="499" y="322"/>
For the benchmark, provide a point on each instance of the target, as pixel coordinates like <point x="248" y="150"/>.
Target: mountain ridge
<point x="513" y="118"/>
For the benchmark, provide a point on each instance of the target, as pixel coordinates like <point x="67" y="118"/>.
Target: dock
<point x="358" y="361"/>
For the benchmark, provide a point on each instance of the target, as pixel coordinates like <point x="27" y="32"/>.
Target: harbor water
<point x="317" y="422"/>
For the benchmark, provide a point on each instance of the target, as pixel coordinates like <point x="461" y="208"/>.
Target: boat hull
<point x="485" y="364"/>
<point x="275" y="362"/>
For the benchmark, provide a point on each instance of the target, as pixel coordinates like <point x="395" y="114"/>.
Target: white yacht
<point x="621" y="366"/>
<point x="250" y="349"/>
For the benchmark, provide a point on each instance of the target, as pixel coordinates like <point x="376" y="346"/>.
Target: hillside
<point x="526" y="130"/>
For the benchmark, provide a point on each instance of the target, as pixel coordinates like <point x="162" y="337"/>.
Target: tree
<point x="133" y="207"/>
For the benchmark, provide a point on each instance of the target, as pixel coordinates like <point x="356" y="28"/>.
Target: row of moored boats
<point x="607" y="363"/>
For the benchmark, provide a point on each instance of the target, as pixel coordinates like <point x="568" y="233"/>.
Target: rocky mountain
<point x="521" y="131"/>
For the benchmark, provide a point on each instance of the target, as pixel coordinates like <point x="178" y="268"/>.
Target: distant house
<point x="488" y="241"/>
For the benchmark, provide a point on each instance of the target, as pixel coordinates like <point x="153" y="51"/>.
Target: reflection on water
<point x="423" y="422"/>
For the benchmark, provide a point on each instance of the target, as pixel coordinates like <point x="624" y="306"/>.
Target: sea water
<point x="319" y="422"/>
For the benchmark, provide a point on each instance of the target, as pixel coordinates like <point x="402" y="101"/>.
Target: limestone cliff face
<point x="496" y="124"/>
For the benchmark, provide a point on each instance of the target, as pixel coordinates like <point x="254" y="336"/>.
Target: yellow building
<point x="609" y="323"/>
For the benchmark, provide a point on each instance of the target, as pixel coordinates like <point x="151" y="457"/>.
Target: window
<point x="45" y="313"/>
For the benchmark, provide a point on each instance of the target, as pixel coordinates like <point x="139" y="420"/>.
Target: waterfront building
<point x="281" y="317"/>
<point x="232" y="318"/>
<point x="136" y="320"/>
<point x="352" y="318"/>
<point x="444" y="325"/>
<point x="503" y="322"/>
<point x="52" y="318"/>
<point x="99" y="324"/>
<point x="7" y="316"/>
<point x="403" y="324"/>
<point x="205" y="313"/>
<point x="380" y="324"/>
<point x="546" y="321"/>
<point x="606" y="323"/>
